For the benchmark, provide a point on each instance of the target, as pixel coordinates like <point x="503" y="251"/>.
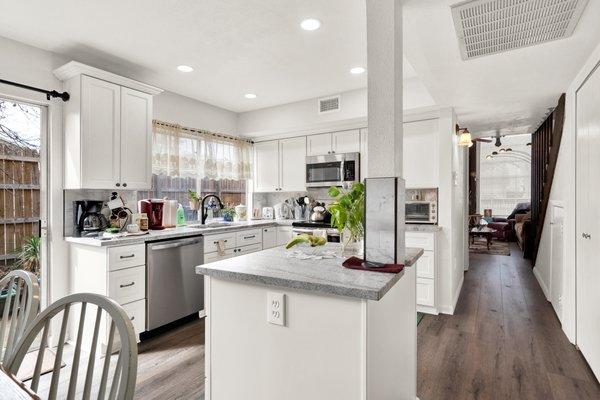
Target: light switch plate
<point x="276" y="308"/>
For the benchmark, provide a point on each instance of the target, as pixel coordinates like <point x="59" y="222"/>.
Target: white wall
<point x="302" y="117"/>
<point x="563" y="190"/>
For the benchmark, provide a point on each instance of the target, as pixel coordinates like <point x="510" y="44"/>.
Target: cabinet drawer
<point x="426" y="292"/>
<point x="136" y="311"/>
<point x="126" y="256"/>
<point x="426" y="241"/>
<point x="215" y="256"/>
<point x="127" y="285"/>
<point x="210" y="242"/>
<point x="248" y="249"/>
<point x="245" y="238"/>
<point x="426" y="265"/>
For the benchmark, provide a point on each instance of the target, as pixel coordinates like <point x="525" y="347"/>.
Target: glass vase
<point x="352" y="245"/>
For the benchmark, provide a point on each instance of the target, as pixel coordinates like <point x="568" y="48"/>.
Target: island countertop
<point x="274" y="267"/>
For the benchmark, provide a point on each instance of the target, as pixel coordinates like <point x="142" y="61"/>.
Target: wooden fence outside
<point x="19" y="200"/>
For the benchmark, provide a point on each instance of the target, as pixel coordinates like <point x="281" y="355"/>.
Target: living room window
<point x="505" y="174"/>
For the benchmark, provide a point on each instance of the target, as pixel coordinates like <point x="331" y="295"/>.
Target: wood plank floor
<point x="504" y="341"/>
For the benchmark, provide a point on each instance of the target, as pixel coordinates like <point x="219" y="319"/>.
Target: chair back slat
<point x="89" y="376"/>
<point x="104" y="378"/>
<point x="76" y="354"/>
<point x="122" y="385"/>
<point x="59" y="353"/>
<point x="20" y="308"/>
<point x="40" y="357"/>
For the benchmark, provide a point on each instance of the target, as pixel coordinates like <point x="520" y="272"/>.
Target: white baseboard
<point x="542" y="283"/>
<point x="427" y="310"/>
<point x="450" y="309"/>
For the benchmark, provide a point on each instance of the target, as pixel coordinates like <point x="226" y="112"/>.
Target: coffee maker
<point x="87" y="217"/>
<point x="153" y="208"/>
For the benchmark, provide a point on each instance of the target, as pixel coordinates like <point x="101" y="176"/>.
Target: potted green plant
<point x="28" y="258"/>
<point x="194" y="199"/>
<point x="228" y="214"/>
<point x="348" y="216"/>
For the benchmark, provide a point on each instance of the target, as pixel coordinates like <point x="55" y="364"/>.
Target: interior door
<point x="100" y="133"/>
<point x="588" y="215"/>
<point x="292" y="161"/>
<point x="136" y="139"/>
<point x="266" y="166"/>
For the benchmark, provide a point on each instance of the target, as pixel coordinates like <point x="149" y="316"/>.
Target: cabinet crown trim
<point x="74" y="68"/>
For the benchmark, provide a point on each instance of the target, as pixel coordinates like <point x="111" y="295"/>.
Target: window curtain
<point x="189" y="153"/>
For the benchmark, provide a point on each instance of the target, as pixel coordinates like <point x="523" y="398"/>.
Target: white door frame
<point x="555" y="205"/>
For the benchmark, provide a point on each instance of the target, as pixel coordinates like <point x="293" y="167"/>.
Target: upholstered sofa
<point x="506" y="227"/>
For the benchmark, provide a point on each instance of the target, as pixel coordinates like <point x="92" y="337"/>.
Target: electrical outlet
<point x="276" y="308"/>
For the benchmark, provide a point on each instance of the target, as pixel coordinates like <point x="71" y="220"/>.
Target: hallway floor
<point x="504" y="341"/>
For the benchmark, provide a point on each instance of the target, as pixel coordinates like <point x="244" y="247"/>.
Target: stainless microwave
<point x="420" y="212"/>
<point x="332" y="170"/>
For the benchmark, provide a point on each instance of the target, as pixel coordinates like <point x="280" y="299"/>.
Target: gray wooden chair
<point x="21" y="305"/>
<point x="122" y="386"/>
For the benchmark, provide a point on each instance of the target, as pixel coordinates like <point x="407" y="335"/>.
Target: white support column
<point x="384" y="149"/>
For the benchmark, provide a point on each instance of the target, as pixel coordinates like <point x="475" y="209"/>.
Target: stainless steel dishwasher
<point x="173" y="288"/>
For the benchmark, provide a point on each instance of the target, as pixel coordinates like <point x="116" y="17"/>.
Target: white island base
<point x="331" y="347"/>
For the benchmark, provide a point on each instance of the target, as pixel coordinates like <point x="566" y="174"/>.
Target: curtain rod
<point x="64" y="96"/>
<point x="203" y="132"/>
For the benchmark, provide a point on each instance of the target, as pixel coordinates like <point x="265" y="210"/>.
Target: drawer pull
<point x="129" y="256"/>
<point x="250" y="237"/>
<point x="127" y="285"/>
<point x="132" y="318"/>
<point x="217" y="242"/>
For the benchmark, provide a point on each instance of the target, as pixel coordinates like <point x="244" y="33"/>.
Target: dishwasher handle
<point x="179" y="243"/>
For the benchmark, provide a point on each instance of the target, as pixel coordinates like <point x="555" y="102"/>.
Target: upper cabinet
<point x="108" y="129"/>
<point x="420" y="154"/>
<point x="332" y="143"/>
<point x="280" y="165"/>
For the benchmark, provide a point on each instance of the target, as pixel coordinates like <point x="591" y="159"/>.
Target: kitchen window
<point x="186" y="159"/>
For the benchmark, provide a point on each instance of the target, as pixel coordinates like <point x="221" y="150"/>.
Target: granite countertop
<point x="171" y="233"/>
<point x="422" y="228"/>
<point x="274" y="267"/>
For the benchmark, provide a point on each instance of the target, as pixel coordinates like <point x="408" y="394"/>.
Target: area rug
<point x="28" y="365"/>
<point x="497" y="248"/>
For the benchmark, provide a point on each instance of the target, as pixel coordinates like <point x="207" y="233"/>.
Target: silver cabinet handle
<point x="129" y="256"/>
<point x="127" y="285"/>
<point x="217" y="242"/>
<point x="250" y="237"/>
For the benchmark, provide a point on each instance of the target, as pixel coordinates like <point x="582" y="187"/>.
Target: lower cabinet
<point x="269" y="237"/>
<point x="232" y="244"/>
<point x="284" y="235"/>
<point x="426" y="270"/>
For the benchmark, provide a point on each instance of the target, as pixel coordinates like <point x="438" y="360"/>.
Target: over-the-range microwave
<point x="332" y="170"/>
<point x="420" y="212"/>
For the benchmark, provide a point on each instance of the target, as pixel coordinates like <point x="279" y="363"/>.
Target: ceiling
<point x="509" y="92"/>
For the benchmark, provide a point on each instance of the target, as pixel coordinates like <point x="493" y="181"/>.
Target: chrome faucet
<point x="203" y="210"/>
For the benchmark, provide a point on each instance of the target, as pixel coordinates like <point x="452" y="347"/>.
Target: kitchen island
<point x="284" y="328"/>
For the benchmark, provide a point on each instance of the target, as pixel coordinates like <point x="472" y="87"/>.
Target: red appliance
<point x="154" y="210"/>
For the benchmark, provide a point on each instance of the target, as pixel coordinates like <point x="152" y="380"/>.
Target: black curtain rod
<point x="49" y="93"/>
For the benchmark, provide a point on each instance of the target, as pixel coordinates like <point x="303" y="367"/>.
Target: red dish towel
<point x="357" y="263"/>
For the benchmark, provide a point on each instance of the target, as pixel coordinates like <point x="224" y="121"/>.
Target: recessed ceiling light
<point x="185" y="68"/>
<point x="357" y="70"/>
<point x="310" y="24"/>
<point x="250" y="96"/>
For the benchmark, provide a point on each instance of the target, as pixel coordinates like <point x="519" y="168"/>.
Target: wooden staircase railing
<point x="545" y="145"/>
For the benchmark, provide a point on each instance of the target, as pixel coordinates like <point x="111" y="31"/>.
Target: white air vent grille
<point x="487" y="27"/>
<point x="329" y="104"/>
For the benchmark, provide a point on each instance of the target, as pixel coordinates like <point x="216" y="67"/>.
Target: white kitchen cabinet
<point x="292" y="164"/>
<point x="234" y="243"/>
<point x="108" y="129"/>
<point x="269" y="236"/>
<point x="318" y="145"/>
<point x="426" y="265"/>
<point x="421" y="154"/>
<point x="136" y="139"/>
<point x="284" y="235"/>
<point x="280" y="165"/>
<point x="333" y="143"/>
<point x="266" y="166"/>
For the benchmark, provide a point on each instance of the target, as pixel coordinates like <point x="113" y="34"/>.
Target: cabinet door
<point x="292" y="164"/>
<point x="284" y="234"/>
<point x="420" y="161"/>
<point x="318" y="145"/>
<point x="345" y="142"/>
<point x="269" y="237"/>
<point x="136" y="139"/>
<point x="100" y="133"/>
<point x="266" y="166"/>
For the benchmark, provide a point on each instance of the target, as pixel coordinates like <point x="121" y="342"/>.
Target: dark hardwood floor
<point x="504" y="341"/>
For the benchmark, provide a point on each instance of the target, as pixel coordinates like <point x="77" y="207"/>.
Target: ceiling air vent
<point x="487" y="27"/>
<point x="329" y="104"/>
